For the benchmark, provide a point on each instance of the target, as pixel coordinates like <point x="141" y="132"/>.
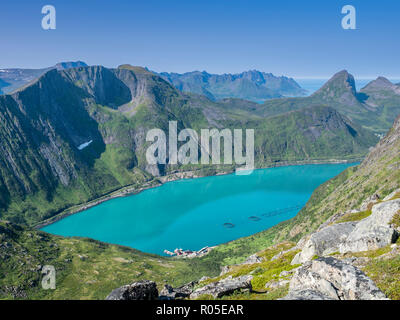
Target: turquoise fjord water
<point x="194" y="213"/>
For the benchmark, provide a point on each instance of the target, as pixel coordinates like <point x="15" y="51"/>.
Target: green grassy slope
<point x="85" y="269"/>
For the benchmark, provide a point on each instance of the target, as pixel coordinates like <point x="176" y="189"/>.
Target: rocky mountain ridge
<point x="250" y="85"/>
<point x="374" y="107"/>
<point x="14" y="78"/>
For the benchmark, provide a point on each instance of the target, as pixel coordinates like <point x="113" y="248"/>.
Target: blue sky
<point x="291" y="37"/>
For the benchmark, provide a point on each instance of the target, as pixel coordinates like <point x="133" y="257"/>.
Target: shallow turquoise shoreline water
<point x="194" y="213"/>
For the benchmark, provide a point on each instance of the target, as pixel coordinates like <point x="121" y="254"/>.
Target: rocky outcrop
<point x="170" y="293"/>
<point x="332" y="279"/>
<point x="250" y="260"/>
<point x="275" y="284"/>
<point x="142" y="290"/>
<point x="224" y="287"/>
<point x="324" y="242"/>
<point x="306" y="295"/>
<point x="253" y="259"/>
<point x="375" y="231"/>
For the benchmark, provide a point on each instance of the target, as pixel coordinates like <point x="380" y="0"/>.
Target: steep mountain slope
<point x="77" y="134"/>
<point x="382" y="97"/>
<point x="375" y="178"/>
<point x="313" y="133"/>
<point x="85" y="268"/>
<point x="12" y="79"/>
<point x="43" y="126"/>
<point x="251" y="85"/>
<point x="375" y="107"/>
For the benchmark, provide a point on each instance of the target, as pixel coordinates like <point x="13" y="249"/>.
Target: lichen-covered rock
<point x="169" y="293"/>
<point x="324" y="242"/>
<point x="253" y="259"/>
<point x="306" y="295"/>
<point x="334" y="279"/>
<point x="224" y="287"/>
<point x="375" y="231"/>
<point x="224" y="270"/>
<point x="275" y="284"/>
<point x="141" y="290"/>
<point x="369" y="201"/>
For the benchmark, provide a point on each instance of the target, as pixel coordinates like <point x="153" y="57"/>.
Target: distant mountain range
<point x="374" y="107"/>
<point x="12" y="79"/>
<point x="250" y="85"/>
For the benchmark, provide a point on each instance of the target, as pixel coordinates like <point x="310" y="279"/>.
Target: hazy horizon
<point x="325" y="77"/>
<point x="299" y="39"/>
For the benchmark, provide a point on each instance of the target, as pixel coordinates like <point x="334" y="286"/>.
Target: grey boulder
<point x="375" y="231"/>
<point x="169" y="293"/>
<point x="306" y="295"/>
<point x="224" y="287"/>
<point x="141" y="290"/>
<point x="324" y="242"/>
<point x="331" y="278"/>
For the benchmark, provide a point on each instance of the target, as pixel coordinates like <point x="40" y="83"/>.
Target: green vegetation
<point x="396" y="196"/>
<point x="386" y="274"/>
<point x="269" y="295"/>
<point x="396" y="220"/>
<point x="374" y="107"/>
<point x="357" y="216"/>
<point x="86" y="269"/>
<point x="265" y="271"/>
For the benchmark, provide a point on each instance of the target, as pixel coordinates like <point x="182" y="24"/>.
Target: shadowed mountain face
<point x="374" y="107"/>
<point x="250" y="85"/>
<point x="77" y="134"/>
<point x="12" y="79"/>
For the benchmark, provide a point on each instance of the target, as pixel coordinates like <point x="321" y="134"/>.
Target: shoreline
<point x="159" y="181"/>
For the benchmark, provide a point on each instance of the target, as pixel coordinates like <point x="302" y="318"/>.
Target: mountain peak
<point x="343" y="78"/>
<point x="136" y="69"/>
<point x="342" y="83"/>
<point x="70" y="64"/>
<point x="379" y="83"/>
